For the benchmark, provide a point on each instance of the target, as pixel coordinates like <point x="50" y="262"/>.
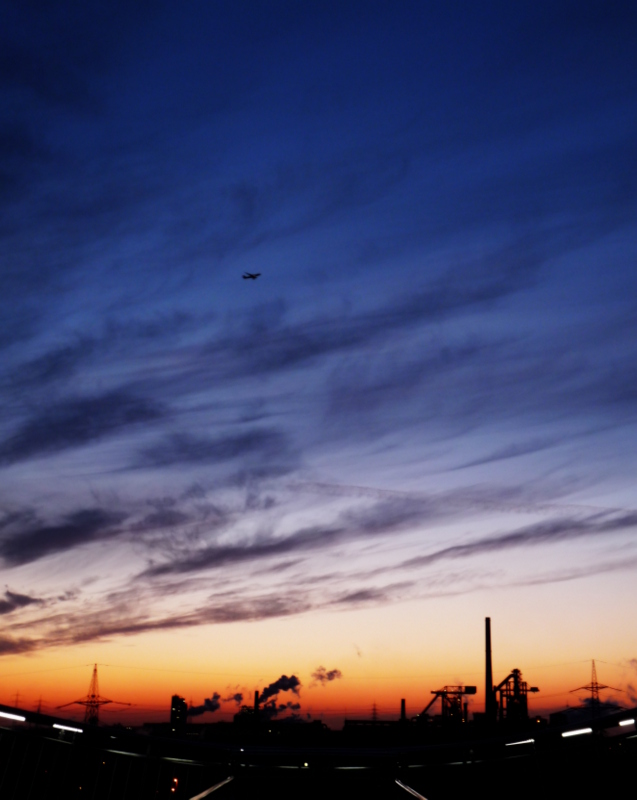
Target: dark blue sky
<point x="436" y="366"/>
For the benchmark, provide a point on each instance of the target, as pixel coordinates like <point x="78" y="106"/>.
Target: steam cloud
<point x="323" y="676"/>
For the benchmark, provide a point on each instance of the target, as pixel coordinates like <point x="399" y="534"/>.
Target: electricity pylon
<point x="93" y="701"/>
<point x="593" y="687"/>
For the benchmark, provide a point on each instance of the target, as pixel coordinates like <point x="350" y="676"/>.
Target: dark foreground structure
<point x="40" y="762"/>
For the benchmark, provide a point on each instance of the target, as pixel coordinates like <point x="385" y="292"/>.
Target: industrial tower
<point x="508" y="701"/>
<point x="452" y="707"/>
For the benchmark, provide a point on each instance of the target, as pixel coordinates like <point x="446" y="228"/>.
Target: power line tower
<point x="593" y="687"/>
<point x="93" y="701"/>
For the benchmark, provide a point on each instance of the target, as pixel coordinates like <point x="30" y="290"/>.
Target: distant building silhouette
<point x="248" y="715"/>
<point x="178" y="715"/>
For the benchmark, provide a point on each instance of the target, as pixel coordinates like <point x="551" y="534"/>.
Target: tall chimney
<point x="488" y="678"/>
<point x="403" y="714"/>
<point x="256" y="702"/>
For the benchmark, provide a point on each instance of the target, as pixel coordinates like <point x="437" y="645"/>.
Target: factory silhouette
<point x="506" y="706"/>
<point x="442" y="752"/>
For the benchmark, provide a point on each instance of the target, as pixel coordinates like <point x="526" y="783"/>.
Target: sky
<point x="423" y="411"/>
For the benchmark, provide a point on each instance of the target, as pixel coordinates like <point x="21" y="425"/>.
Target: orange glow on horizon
<point x="354" y="696"/>
<point x="384" y="654"/>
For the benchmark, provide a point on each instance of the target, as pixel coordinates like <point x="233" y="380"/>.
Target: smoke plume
<point x="323" y="676"/>
<point x="283" y="684"/>
<point x="209" y="704"/>
<point x="271" y="709"/>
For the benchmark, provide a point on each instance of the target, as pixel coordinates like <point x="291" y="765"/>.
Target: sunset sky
<point x="424" y="410"/>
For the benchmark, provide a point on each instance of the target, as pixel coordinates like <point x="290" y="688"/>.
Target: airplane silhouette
<point x="250" y="276"/>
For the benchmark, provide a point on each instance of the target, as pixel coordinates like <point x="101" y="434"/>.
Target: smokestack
<point x="256" y="702"/>
<point x="488" y="678"/>
<point x="403" y="715"/>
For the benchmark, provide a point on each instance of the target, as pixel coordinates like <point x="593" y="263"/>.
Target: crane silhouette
<point x="93" y="701"/>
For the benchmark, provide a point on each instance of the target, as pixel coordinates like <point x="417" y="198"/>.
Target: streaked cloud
<point x="265" y="444"/>
<point x="13" y="601"/>
<point x="77" y="422"/>
<point x="537" y="534"/>
<point x="79" y="528"/>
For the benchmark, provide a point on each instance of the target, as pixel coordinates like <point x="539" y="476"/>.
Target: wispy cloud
<point x="383" y="594"/>
<point x="78" y="528"/>
<point x="381" y="518"/>
<point x="540" y="533"/>
<point x="13" y="601"/>
<point x="216" y="556"/>
<point x="132" y="613"/>
<point x="55" y="368"/>
<point x="601" y="567"/>
<point x="510" y="451"/>
<point x="281" y="346"/>
<point x="265" y="444"/>
<point x="10" y="647"/>
<point x="77" y="422"/>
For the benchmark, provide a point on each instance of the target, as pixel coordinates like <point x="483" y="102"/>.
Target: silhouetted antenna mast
<point x="93" y="701"/>
<point x="593" y="687"/>
<point x="490" y="704"/>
